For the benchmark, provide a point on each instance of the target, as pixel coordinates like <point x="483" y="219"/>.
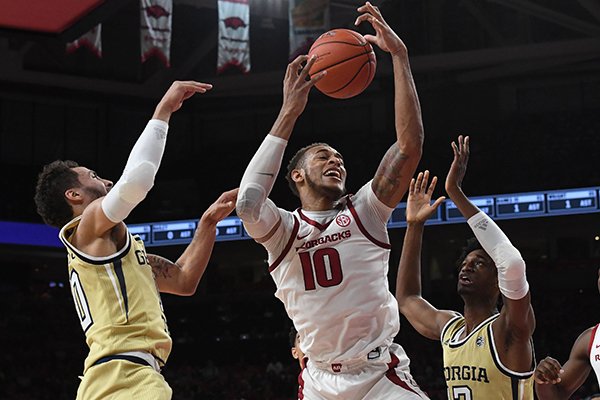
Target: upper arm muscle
<point x="424" y="317"/>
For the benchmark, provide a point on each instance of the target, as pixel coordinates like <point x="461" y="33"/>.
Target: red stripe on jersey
<point x="319" y="226"/>
<point x="288" y="246"/>
<point x="592" y="339"/>
<point x="391" y="374"/>
<point x="301" y="381"/>
<point x="364" y="230"/>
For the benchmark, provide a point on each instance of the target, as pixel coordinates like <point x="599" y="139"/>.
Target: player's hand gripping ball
<point x="349" y="60"/>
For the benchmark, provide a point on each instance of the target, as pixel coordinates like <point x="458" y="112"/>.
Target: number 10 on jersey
<point x="324" y="265"/>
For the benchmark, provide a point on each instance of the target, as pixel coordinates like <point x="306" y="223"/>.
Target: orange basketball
<point x="348" y="59"/>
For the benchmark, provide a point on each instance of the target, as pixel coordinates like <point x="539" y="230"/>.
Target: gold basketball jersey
<point x="117" y="300"/>
<point x="473" y="370"/>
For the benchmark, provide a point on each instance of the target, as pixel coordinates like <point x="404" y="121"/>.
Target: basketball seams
<point x="354" y="77"/>
<point x="342" y="42"/>
<point x="341" y="62"/>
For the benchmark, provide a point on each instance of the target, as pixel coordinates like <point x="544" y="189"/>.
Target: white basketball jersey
<point x="594" y="352"/>
<point x="331" y="275"/>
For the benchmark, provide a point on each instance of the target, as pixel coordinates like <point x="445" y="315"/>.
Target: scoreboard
<point x="517" y="205"/>
<point x="181" y="232"/>
<point x="502" y="206"/>
<point x="568" y="201"/>
<point x="485" y="204"/>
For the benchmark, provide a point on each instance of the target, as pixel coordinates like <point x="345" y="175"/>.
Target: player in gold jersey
<point x="115" y="284"/>
<point x="487" y="354"/>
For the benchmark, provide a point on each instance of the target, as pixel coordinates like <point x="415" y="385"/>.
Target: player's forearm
<point x="408" y="122"/>
<point x="285" y="122"/>
<point x="551" y="392"/>
<point x="196" y="256"/>
<point x="139" y="172"/>
<point x="408" y="281"/>
<point x="462" y="202"/>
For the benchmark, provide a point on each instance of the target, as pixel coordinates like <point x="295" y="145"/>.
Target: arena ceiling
<point x="462" y="41"/>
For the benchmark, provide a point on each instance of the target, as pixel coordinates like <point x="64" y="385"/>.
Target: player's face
<point x="94" y="186"/>
<point x="477" y="274"/>
<point x="325" y="171"/>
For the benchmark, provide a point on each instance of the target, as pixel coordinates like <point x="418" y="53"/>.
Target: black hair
<point x="472" y="245"/>
<point x="296" y="162"/>
<point x="52" y="182"/>
<point x="292" y="336"/>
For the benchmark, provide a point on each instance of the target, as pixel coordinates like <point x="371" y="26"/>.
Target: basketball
<point x="348" y="59"/>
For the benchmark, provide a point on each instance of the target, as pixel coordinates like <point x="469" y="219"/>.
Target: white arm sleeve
<point x="138" y="176"/>
<point x="258" y="213"/>
<point x="512" y="280"/>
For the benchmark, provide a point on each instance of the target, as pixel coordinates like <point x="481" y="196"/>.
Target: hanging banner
<point x="91" y="41"/>
<point x="308" y="20"/>
<point x="234" y="35"/>
<point x="155" y="29"/>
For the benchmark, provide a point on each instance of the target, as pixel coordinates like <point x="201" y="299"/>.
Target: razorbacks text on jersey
<point x="331" y="270"/>
<point x="117" y="300"/>
<point x="472" y="368"/>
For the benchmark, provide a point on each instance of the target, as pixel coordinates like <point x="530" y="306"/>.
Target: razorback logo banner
<point x="155" y="26"/>
<point x="91" y="40"/>
<point x="234" y="35"/>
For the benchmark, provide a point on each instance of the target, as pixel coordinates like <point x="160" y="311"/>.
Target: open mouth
<point x="333" y="173"/>
<point x="464" y="279"/>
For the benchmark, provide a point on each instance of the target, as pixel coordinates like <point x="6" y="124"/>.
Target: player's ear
<point x="297" y="175"/>
<point x="73" y="195"/>
<point x="295" y="353"/>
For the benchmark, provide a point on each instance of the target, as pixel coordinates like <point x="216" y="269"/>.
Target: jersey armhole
<point x="448" y="324"/>
<point x="592" y="337"/>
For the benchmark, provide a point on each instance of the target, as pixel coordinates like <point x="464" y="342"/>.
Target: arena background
<point x="522" y="78"/>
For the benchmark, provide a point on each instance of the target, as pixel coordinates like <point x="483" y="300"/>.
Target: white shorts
<point x="386" y="376"/>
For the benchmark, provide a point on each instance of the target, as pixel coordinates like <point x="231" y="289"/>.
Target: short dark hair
<point x="296" y="162"/>
<point x="53" y="181"/>
<point x="472" y="245"/>
<point x="292" y="336"/>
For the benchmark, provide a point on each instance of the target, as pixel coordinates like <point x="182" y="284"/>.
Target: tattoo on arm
<point x="388" y="175"/>
<point x="161" y="267"/>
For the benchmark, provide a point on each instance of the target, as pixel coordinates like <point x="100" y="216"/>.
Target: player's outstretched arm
<point x="182" y="277"/>
<point x="424" y="317"/>
<point x="517" y="321"/>
<point x="260" y="215"/>
<point x="553" y="382"/>
<point x="143" y="163"/>
<point x="400" y="161"/>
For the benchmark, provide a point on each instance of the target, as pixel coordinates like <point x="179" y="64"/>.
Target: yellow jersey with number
<point x="117" y="300"/>
<point x="473" y="369"/>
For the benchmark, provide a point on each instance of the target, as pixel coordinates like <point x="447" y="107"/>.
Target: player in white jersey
<point x="553" y="381"/>
<point x="329" y="259"/>
<point x="114" y="282"/>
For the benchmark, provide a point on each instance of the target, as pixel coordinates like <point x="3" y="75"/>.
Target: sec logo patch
<point x="342" y="220"/>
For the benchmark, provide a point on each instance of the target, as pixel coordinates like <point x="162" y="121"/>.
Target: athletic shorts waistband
<point x="352" y="364"/>
<point x="138" y="357"/>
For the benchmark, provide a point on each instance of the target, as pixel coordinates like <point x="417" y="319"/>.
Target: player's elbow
<point x="187" y="290"/>
<point x="412" y="150"/>
<point x="251" y="198"/>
